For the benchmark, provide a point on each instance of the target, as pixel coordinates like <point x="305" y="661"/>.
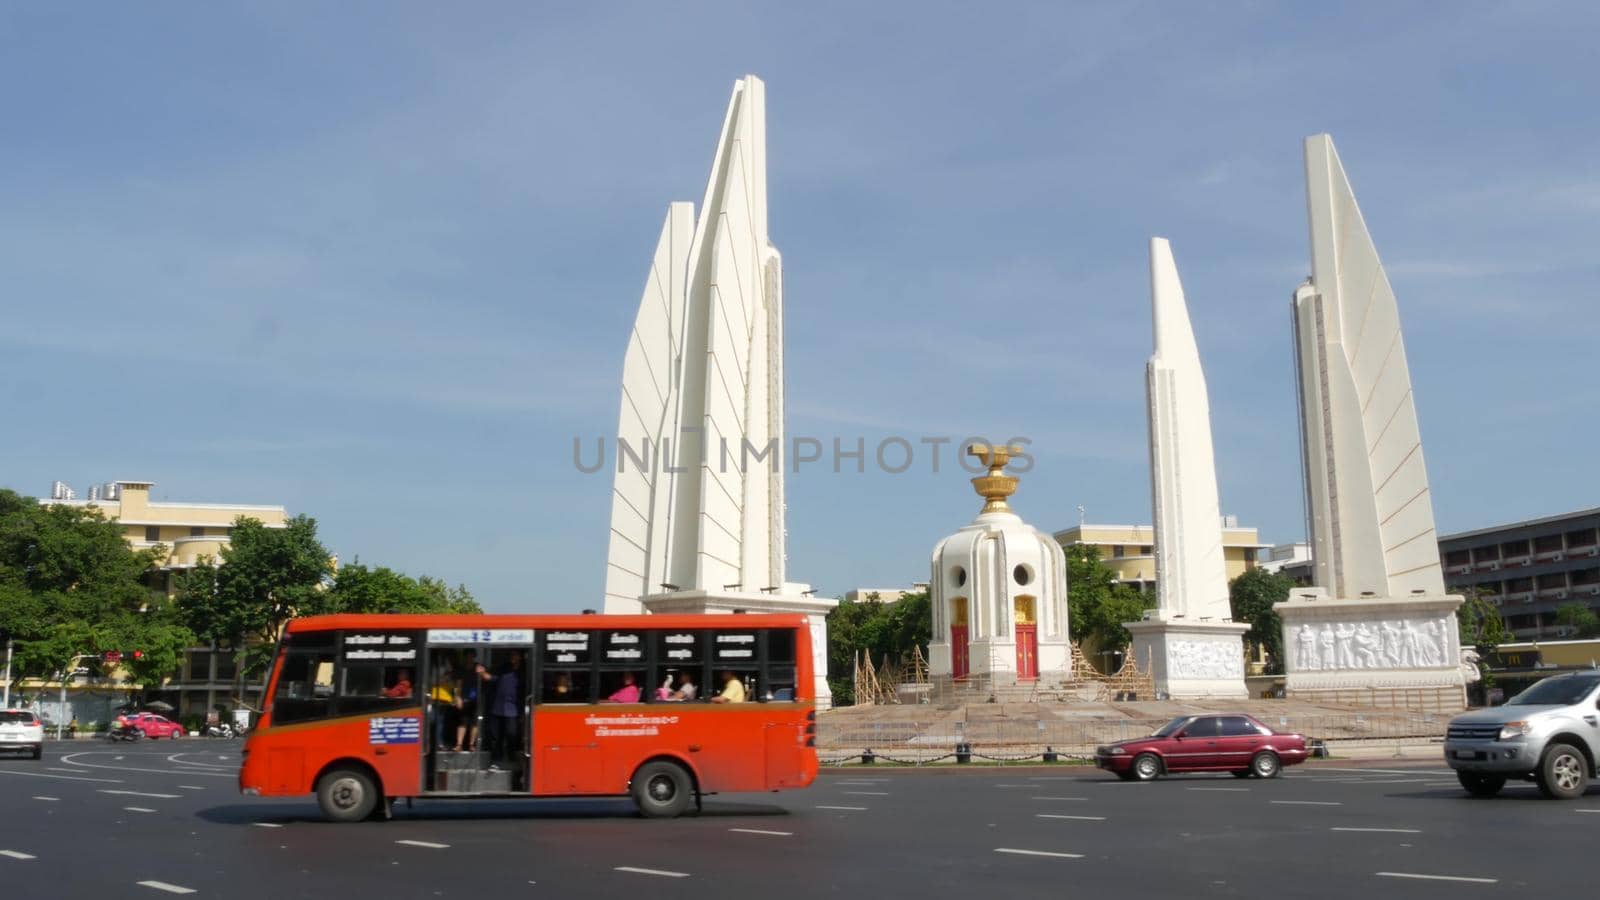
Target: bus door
<point x="477" y="711"/>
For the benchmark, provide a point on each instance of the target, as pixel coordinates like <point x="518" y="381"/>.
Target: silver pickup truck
<point x="1548" y="734"/>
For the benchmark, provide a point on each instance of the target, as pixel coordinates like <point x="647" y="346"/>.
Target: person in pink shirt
<point x="628" y="693"/>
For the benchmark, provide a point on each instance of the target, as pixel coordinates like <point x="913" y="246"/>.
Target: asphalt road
<point x="160" y="818"/>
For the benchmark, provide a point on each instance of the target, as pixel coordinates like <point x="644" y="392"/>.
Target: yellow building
<point x="186" y="532"/>
<point x="1130" y="549"/>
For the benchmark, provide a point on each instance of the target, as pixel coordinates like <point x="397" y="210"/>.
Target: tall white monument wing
<point x="647" y="425"/>
<point x="1372" y="514"/>
<point x="717" y="523"/>
<point x="1191" y="575"/>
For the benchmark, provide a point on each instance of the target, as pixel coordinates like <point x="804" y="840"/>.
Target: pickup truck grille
<point x="1473" y="732"/>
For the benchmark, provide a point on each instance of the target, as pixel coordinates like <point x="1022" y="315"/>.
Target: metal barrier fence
<point x="997" y="739"/>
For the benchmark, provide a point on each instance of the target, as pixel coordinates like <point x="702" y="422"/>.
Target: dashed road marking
<point x="169" y="888"/>
<point x="1017" y="852"/>
<point x="141" y="794"/>
<point x="143" y="809"/>
<point x="62" y="777"/>
<point x="1438" y="877"/>
<point x="847" y="808"/>
<point x="429" y="844"/>
<point x="17" y="854"/>
<point x="1587" y="810"/>
<point x="1229" y="790"/>
<point x="662" y="872"/>
<point x="762" y="831"/>
<point x="191" y="787"/>
<point x="867" y="793"/>
<point x="1059" y="798"/>
<point x="267" y="824"/>
<point x="1382" y="830"/>
<point x="1306" y="802"/>
<point x="42" y="797"/>
<point x="1079" y="818"/>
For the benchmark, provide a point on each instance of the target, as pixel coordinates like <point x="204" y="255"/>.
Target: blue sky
<point x="378" y="261"/>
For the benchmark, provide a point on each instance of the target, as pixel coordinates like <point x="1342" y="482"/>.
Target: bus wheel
<point x="662" y="790"/>
<point x="346" y="795"/>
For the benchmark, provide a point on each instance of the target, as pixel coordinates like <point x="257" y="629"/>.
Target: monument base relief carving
<point x="1191" y="660"/>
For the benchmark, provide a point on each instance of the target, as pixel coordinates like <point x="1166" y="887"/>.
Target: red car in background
<point x="1225" y="742"/>
<point x="152" y="725"/>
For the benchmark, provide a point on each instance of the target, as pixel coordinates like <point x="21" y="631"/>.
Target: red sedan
<point x="152" y="725"/>
<point x="1206" y="743"/>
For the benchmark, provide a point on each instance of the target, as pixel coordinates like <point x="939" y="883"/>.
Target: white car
<point x="20" y="729"/>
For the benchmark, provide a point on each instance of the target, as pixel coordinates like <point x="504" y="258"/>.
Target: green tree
<point x="881" y="629"/>
<point x="70" y="586"/>
<point x="1252" y="597"/>
<point x="359" y="589"/>
<point x="1097" y="603"/>
<point x="1483" y="630"/>
<point x="1579" y="618"/>
<point x="265" y="577"/>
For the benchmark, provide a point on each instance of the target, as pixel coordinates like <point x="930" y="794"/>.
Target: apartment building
<point x="1529" y="569"/>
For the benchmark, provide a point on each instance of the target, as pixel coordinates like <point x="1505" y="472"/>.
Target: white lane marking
<point x="1587" y="810"/>
<point x="1015" y="785"/>
<point x="1438" y="877"/>
<point x="62" y="777"/>
<point x="1079" y="818"/>
<point x="871" y="783"/>
<point x="1052" y="778"/>
<point x="138" y="809"/>
<point x="169" y="888"/>
<point x="867" y="793"/>
<point x="1230" y="790"/>
<point x="429" y="844"/>
<point x="267" y="824"/>
<point x="116" y="759"/>
<point x="1017" y="852"/>
<point x="662" y="872"/>
<point x="41" y="797"/>
<point x="1059" y="798"/>
<point x="17" y="854"/>
<point x="762" y="831"/>
<point x="141" y="794"/>
<point x="1306" y="802"/>
<point x="1332" y="771"/>
<point x="187" y="773"/>
<point x="173" y="758"/>
<point x="1382" y="830"/>
<point x="849" y="808"/>
<point x="59" y="769"/>
<point x="191" y="787"/>
<point x="1390" y="781"/>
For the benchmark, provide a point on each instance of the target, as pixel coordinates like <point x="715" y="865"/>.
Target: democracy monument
<point x="698" y="512"/>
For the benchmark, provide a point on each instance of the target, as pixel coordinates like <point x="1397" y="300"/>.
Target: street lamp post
<point x="71" y="671"/>
<point x="10" y="645"/>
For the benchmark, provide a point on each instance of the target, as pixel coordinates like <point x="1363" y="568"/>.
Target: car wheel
<point x="347" y="795"/>
<point x="1147" y="767"/>
<point x="1563" y="773"/>
<point x="662" y="790"/>
<point x="1480" y="785"/>
<point x="1265" y="764"/>
<point x="1242" y="773"/>
<point x="38" y="753"/>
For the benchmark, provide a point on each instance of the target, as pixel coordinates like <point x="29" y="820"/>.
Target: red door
<point x="958" y="651"/>
<point x="1027" y="651"/>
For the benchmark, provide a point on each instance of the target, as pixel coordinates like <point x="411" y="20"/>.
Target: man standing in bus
<point x="505" y="711"/>
<point x="732" y="689"/>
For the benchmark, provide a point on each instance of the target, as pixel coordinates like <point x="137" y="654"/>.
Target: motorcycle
<point x="221" y="730"/>
<point x="122" y="733"/>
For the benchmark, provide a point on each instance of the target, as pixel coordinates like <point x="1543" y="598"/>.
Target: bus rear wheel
<point x="662" y="790"/>
<point x="347" y="795"/>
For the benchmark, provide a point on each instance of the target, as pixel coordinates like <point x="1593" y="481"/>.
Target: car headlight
<point x="1115" y="751"/>
<point x="1513" y="730"/>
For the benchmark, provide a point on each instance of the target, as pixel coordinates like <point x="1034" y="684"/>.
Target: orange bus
<point x="364" y="709"/>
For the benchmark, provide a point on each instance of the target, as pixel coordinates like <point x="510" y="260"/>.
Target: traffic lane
<point x="1149" y="835"/>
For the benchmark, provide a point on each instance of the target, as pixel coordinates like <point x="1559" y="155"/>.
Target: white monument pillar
<point x="1193" y="646"/>
<point x="697" y="510"/>
<point x="1377" y="627"/>
<point x="999" y="593"/>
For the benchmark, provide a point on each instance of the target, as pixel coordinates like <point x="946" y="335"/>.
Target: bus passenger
<point x="686" y="689"/>
<point x="505" y="712"/>
<point x="402" y="686"/>
<point x="442" y="703"/>
<point x="732" y="689"/>
<point x="664" y="692"/>
<point x="467" y="701"/>
<point x="628" y="693"/>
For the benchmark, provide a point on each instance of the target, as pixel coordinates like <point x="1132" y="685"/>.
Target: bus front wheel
<point x="662" y="790"/>
<point x="347" y="795"/>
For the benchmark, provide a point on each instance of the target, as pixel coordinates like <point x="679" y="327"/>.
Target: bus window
<point x="680" y="659"/>
<point x="305" y="679"/>
<point x="736" y="654"/>
<point x="378" y="672"/>
<point x="781" y="680"/>
<point x="566" y="657"/>
<point x="622" y="671"/>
